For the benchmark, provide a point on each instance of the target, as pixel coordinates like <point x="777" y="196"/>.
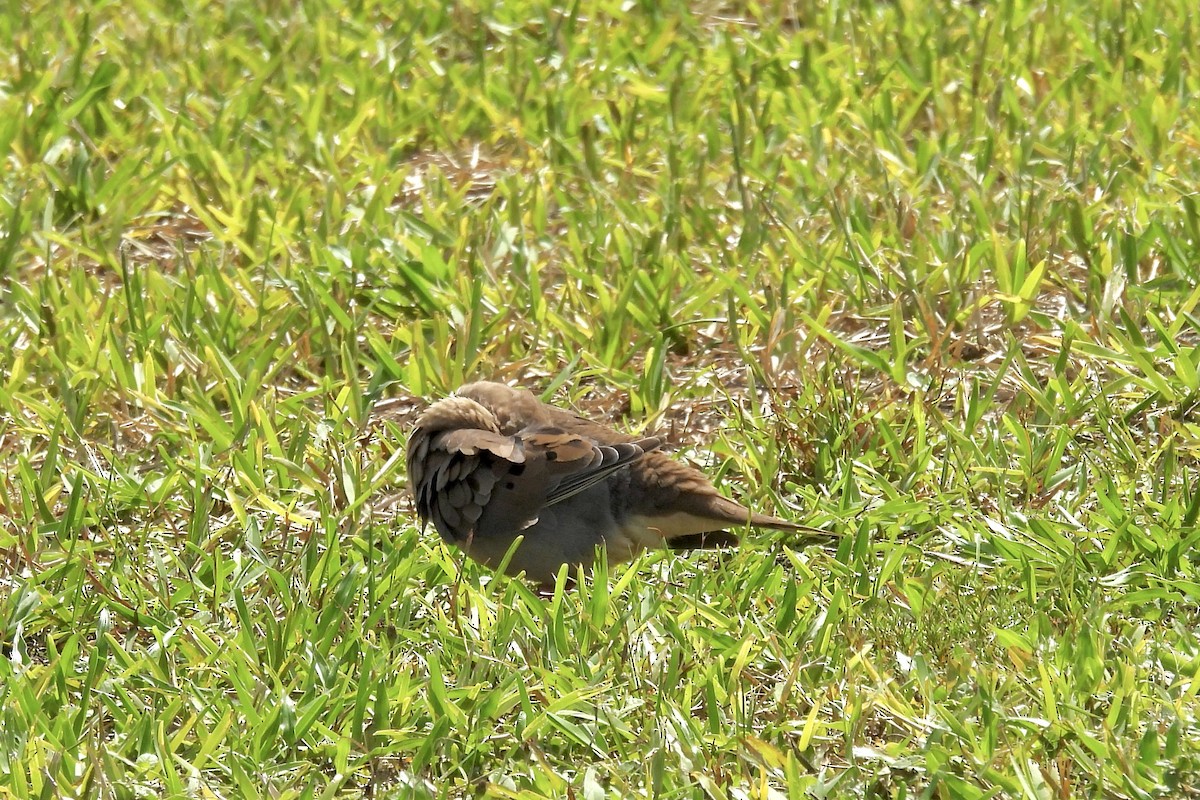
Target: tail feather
<point x="775" y="523"/>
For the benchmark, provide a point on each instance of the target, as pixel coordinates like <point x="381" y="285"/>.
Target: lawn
<point x="923" y="274"/>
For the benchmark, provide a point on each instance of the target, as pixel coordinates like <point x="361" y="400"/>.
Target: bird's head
<point x="455" y="412"/>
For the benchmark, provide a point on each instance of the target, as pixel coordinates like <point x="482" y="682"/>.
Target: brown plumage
<point x="491" y="462"/>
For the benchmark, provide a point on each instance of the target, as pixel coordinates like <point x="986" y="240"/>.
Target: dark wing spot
<point x="517" y="470"/>
<point x="510" y="485"/>
<point x="551" y="455"/>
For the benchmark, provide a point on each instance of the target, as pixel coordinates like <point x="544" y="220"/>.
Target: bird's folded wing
<point x="474" y="481"/>
<point x="575" y="463"/>
<point x="456" y="472"/>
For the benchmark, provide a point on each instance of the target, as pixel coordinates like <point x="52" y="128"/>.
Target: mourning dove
<point x="491" y="463"/>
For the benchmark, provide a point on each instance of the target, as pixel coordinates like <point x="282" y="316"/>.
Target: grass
<point x="923" y="273"/>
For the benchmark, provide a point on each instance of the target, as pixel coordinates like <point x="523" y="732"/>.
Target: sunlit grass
<point x="924" y="274"/>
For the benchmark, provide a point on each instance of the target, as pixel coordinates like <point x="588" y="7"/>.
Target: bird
<point x="491" y="462"/>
